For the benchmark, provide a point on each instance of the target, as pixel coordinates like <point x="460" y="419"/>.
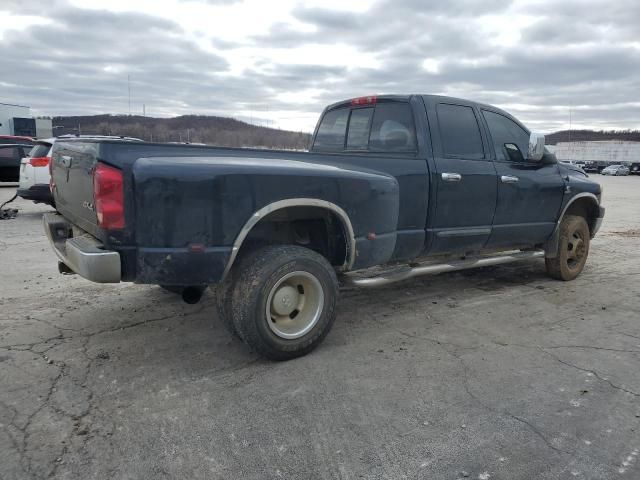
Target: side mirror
<point x="513" y="152"/>
<point x="536" y="147"/>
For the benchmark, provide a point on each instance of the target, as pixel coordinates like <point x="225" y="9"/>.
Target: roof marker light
<point x="370" y="100"/>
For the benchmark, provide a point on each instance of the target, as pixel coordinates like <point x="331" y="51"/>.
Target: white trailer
<point x="8" y="115"/>
<point x="597" y="155"/>
<point x="17" y="120"/>
<point x="610" y="151"/>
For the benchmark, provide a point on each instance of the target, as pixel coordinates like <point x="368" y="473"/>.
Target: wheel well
<point x="585" y="207"/>
<point x="316" y="228"/>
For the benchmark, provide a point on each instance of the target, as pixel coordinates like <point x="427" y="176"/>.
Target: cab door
<point x="529" y="193"/>
<point x="464" y="178"/>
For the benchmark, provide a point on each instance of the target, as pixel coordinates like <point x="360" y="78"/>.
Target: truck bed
<point x="178" y="196"/>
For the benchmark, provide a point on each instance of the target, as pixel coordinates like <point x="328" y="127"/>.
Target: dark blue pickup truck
<point x="411" y="185"/>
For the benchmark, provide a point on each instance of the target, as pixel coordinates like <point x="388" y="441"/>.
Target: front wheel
<point x="573" y="249"/>
<point x="284" y="300"/>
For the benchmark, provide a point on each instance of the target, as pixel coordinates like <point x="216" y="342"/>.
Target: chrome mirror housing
<point x="536" y="147"/>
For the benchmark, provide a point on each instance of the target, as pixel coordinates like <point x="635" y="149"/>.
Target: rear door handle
<point x="451" y="177"/>
<point x="509" y="179"/>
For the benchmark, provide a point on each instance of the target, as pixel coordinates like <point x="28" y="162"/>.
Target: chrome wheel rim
<point x="294" y="305"/>
<point x="576" y="250"/>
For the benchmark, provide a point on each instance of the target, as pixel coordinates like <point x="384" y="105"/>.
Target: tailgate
<point x="73" y="164"/>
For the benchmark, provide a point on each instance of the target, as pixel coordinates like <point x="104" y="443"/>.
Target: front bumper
<point x="83" y="254"/>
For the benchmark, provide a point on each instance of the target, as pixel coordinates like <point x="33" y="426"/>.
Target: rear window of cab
<point x="385" y="127"/>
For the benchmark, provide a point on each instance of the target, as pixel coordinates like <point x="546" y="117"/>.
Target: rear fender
<point x="297" y="202"/>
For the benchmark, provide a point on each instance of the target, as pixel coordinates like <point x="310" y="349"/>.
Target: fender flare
<point x="551" y="245"/>
<point x="296" y="202"/>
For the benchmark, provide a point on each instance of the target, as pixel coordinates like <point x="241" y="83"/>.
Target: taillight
<point x="109" y="196"/>
<point x="39" y="161"/>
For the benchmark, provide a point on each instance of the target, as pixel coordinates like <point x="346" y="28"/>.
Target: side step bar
<point x="404" y="273"/>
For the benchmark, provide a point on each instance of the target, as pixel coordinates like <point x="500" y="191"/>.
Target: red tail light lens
<point x="39" y="161"/>
<point x="370" y="100"/>
<point x="109" y="196"/>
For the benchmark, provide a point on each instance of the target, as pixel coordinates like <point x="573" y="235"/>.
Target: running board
<point x="404" y="273"/>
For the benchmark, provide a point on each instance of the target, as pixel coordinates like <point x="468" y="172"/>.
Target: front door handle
<point x="451" y="177"/>
<point x="509" y="179"/>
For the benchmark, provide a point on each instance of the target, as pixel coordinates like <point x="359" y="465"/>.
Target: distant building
<point x="44" y="128"/>
<point x="609" y="151"/>
<point x="17" y="120"/>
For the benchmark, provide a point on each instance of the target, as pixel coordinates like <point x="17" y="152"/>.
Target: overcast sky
<point x="282" y="60"/>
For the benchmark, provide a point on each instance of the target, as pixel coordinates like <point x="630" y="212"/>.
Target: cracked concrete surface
<point x="500" y="373"/>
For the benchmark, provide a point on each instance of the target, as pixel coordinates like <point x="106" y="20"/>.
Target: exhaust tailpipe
<point x="64" y="269"/>
<point x="192" y="294"/>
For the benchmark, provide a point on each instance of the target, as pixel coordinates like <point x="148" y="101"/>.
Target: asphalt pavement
<point x="498" y="373"/>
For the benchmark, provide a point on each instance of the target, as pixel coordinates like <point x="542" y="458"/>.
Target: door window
<point x="10" y="153"/>
<point x="503" y="131"/>
<point x="459" y="132"/>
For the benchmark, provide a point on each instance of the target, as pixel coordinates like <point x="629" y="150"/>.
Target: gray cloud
<point x="80" y="64"/>
<point x="574" y="54"/>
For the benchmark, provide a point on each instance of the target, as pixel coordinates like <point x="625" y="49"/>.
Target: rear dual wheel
<point x="280" y="300"/>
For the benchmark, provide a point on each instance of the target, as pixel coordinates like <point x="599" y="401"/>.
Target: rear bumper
<point x="37" y="193"/>
<point x="83" y="254"/>
<point x="87" y="256"/>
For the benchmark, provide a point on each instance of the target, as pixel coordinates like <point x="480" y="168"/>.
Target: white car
<point x="34" y="169"/>
<point x="616" y="170"/>
<point x="34" y="173"/>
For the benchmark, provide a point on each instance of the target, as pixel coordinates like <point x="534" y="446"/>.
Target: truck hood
<point x="568" y="169"/>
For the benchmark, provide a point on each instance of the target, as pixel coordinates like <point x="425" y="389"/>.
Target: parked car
<point x="34" y="173"/>
<point x="411" y="185"/>
<point x="15" y="140"/>
<point x="592" y="167"/>
<point x="615" y="170"/>
<point x="34" y="169"/>
<point x="10" y="156"/>
<point x="578" y="164"/>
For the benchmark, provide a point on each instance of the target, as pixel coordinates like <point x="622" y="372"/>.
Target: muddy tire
<point x="573" y="249"/>
<point x="283" y="300"/>
<point x="222" y="294"/>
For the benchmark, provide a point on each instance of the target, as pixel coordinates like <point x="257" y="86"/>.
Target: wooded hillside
<point x="187" y="128"/>
<point x="591" y="135"/>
